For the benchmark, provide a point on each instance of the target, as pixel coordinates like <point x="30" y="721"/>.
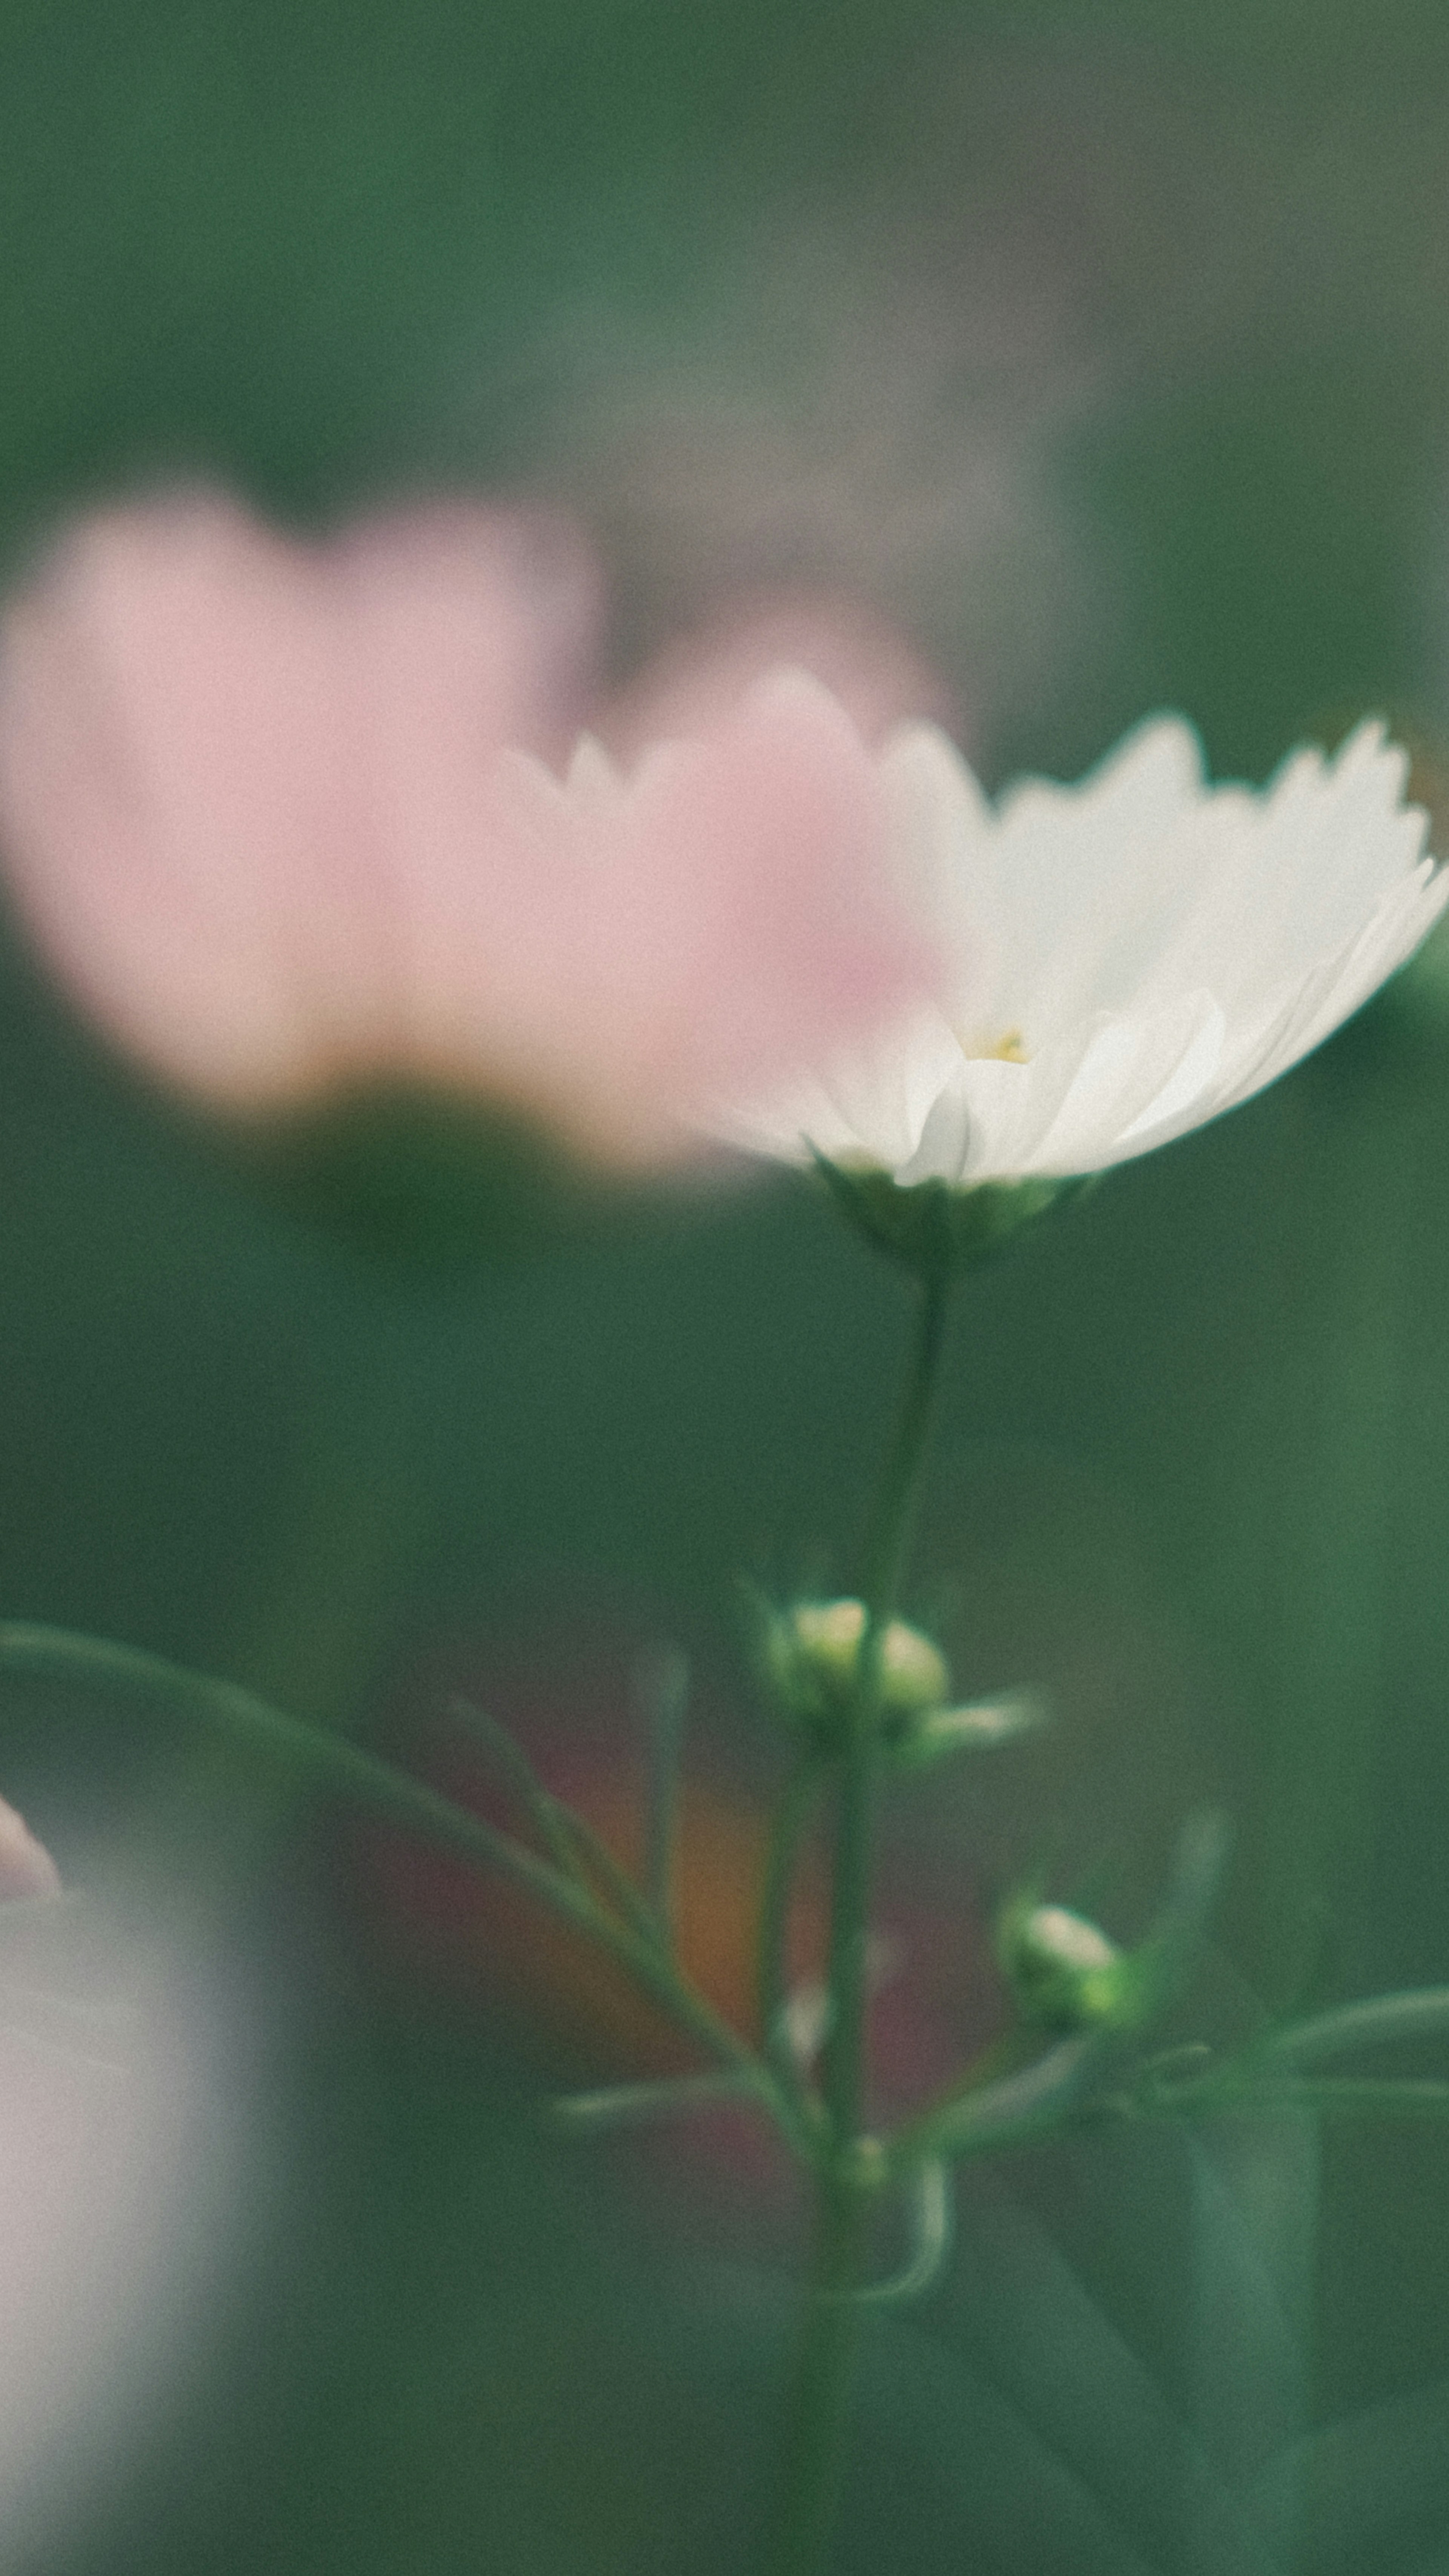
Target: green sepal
<point x="932" y="1227"/>
<point x="918" y="1743"/>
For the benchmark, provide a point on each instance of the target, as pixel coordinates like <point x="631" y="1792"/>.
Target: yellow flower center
<point x="1009" y="1048"/>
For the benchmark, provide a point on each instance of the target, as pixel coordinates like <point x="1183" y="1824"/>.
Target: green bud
<point x="812" y="1653"/>
<point x="1065" y="1973"/>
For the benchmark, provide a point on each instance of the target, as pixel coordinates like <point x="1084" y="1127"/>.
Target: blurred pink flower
<point x="282" y="815"/>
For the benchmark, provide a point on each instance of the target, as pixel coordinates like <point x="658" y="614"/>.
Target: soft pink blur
<point x="284" y="816"/>
<point x="26" y="1868"/>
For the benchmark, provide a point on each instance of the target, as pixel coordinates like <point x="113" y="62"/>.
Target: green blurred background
<point x="1105" y="348"/>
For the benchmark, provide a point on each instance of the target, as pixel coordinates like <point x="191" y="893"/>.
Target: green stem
<point x="814" y="2451"/>
<point x="812" y="2460"/>
<point x="885" y="1557"/>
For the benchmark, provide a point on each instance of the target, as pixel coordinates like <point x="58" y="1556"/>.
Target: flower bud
<point x="1065" y="1973"/>
<point x="813" y="1657"/>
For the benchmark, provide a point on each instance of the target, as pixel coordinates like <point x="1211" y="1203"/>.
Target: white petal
<point x="941" y="831"/>
<point x="1358" y="969"/>
<point x="1155" y="770"/>
<point x="1329" y="841"/>
<point x="1161" y="949"/>
<point x="1014" y="1107"/>
<point x="869" y="1104"/>
<point x="884" y="1091"/>
<point x="944" y="1151"/>
<point x="1188" y="1084"/>
<point x="1128" y="1068"/>
<point x="1091" y="877"/>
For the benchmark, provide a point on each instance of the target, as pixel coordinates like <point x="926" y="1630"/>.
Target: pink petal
<point x="263" y="804"/>
<point x="208" y="735"/>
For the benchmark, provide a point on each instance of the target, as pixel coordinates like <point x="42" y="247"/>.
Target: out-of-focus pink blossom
<point x="705" y="910"/>
<point x="285" y="817"/>
<point x="221" y="754"/>
<point x="26" y="1868"/>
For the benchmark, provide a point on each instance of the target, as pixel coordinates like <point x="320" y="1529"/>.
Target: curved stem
<point x="815" y="2441"/>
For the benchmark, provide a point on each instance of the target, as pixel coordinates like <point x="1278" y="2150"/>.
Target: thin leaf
<point x="1254" y="2200"/>
<point x="1007" y="2112"/>
<point x="1387" y="2097"/>
<point x="614" y="2105"/>
<point x="542" y="1810"/>
<point x="1050" y="2338"/>
<point x="325" y="1759"/>
<point x="1421" y="2012"/>
<point x="1365" y="2481"/>
<point x="599" y="1865"/>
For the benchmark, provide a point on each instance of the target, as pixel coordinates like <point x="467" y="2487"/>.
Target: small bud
<point x="26" y="1868"/>
<point x="1065" y="1973"/>
<point x="813" y="1656"/>
<point x="931" y="1734"/>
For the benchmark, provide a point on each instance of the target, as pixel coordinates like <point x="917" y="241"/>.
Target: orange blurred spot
<point x="498" y="1942"/>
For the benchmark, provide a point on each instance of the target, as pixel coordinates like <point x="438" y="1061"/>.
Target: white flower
<point x="1120" y="960"/>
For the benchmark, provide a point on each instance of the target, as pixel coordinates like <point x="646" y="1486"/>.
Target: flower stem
<point x="813" y="2456"/>
<point x="885" y="1557"/>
